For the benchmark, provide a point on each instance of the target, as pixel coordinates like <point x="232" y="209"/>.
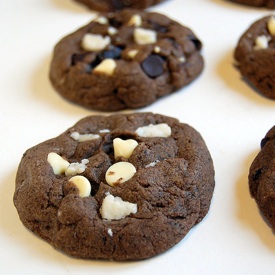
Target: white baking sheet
<point x="232" y="118"/>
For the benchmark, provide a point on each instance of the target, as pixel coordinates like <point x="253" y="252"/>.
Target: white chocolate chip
<point x="112" y="30"/>
<point x="84" y="137"/>
<point x="145" y="36"/>
<point x="135" y="20"/>
<point x="58" y="164"/>
<point x="104" y="131"/>
<point x="158" y="130"/>
<point x="110" y="232"/>
<point x="182" y="59"/>
<point x="114" y="208"/>
<point x="124" y="148"/>
<point x="95" y="42"/>
<point x="157" y="49"/>
<point x="261" y="42"/>
<point x="76" y="168"/>
<point x="132" y="53"/>
<point x="101" y="20"/>
<point x="82" y="184"/>
<point x="119" y="173"/>
<point x="271" y="25"/>
<point x="107" y="66"/>
<point x="75" y="135"/>
<point x="85" y="161"/>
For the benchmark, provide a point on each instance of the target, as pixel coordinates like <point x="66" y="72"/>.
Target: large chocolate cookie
<point x="262" y="177"/>
<point x="120" y="187"/>
<point x="113" y="5"/>
<point x="257" y="3"/>
<point x="255" y="55"/>
<point x="126" y="59"/>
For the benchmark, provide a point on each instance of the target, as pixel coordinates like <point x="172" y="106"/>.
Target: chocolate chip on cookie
<point x="255" y="54"/>
<point x="122" y="187"/>
<point x="126" y="59"/>
<point x="113" y="5"/>
<point x="262" y="177"/>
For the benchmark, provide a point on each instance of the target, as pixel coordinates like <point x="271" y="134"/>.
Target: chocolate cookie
<point x="113" y="5"/>
<point x="122" y="187"/>
<point x="262" y="177"/>
<point x="255" y="55"/>
<point x="257" y="3"/>
<point x="126" y="59"/>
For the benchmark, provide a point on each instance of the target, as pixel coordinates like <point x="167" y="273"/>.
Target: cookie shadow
<point x="71" y="6"/>
<point x="20" y="238"/>
<point x="9" y="214"/>
<point x="226" y="4"/>
<point x="40" y="83"/>
<point x="10" y="226"/>
<point x="219" y="2"/>
<point x="247" y="210"/>
<point x="229" y="73"/>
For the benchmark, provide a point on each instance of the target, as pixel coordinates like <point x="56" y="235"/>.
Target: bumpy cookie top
<point x="255" y="55"/>
<point x="120" y="187"/>
<point x="126" y="59"/>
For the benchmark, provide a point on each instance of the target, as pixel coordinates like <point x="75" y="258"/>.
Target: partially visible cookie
<point x="262" y="177"/>
<point x="255" y="54"/>
<point x="126" y="59"/>
<point x="123" y="187"/>
<point x="114" y="5"/>
<point x="257" y="3"/>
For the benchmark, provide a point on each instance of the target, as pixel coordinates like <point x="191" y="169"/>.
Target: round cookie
<point x="257" y="3"/>
<point x="255" y="54"/>
<point x="122" y="187"/>
<point x="262" y="178"/>
<point x="126" y="59"/>
<point x="113" y="5"/>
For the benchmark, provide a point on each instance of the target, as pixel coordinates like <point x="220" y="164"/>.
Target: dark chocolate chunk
<point x="95" y="62"/>
<point x="153" y="65"/>
<point x="157" y="27"/>
<point x="78" y="57"/>
<point x="264" y="141"/>
<point x="113" y="53"/>
<point x="257" y="174"/>
<point x="114" y="22"/>
<point x="120" y="4"/>
<point x="196" y="41"/>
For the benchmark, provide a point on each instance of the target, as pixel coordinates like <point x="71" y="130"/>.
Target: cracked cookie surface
<point x="126" y="59"/>
<point x="167" y="192"/>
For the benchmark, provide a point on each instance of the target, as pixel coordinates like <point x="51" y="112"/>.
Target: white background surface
<point x="232" y="118"/>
